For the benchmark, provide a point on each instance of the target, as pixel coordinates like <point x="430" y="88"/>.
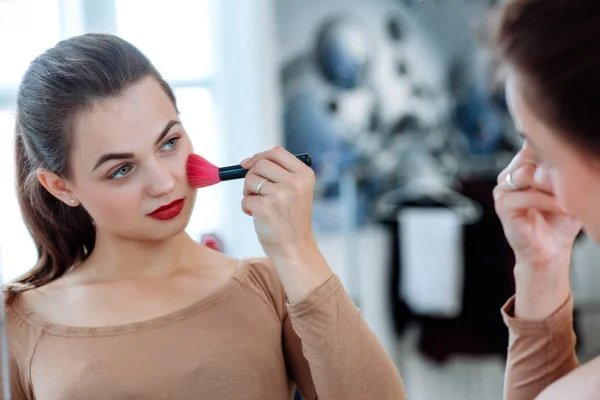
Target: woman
<point x="122" y="302"/>
<point x="551" y="188"/>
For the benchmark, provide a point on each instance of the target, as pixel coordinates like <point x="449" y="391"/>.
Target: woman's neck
<point x="118" y="258"/>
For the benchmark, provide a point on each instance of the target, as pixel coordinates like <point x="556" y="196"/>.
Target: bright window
<point x="24" y="34"/>
<point x="174" y="34"/>
<point x="17" y="252"/>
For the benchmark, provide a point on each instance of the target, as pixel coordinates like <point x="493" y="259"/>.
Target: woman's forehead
<point x="131" y="119"/>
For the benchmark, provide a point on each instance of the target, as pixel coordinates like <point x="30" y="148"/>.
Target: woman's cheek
<point x="120" y="202"/>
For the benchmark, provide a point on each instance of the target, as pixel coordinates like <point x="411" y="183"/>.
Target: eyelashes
<point x="123" y="170"/>
<point x="172" y="143"/>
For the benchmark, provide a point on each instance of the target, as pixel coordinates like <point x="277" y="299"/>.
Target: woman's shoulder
<point x="585" y="380"/>
<point x="22" y="333"/>
<point x="260" y="271"/>
<point x="13" y="298"/>
<point x="262" y="277"/>
<point x="26" y="303"/>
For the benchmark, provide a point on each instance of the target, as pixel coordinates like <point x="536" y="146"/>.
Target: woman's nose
<point x="161" y="180"/>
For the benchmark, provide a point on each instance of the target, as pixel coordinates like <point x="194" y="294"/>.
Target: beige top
<point x="242" y="342"/>
<point x="541" y="359"/>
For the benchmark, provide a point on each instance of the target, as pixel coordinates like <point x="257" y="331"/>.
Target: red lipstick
<point x="168" y="211"/>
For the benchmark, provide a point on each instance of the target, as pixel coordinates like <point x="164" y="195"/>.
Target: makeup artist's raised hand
<point x="282" y="214"/>
<point x="541" y="234"/>
<point x="535" y="225"/>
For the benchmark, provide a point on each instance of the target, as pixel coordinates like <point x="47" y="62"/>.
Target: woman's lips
<point x="168" y="211"/>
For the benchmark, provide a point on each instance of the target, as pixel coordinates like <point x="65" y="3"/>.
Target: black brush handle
<point x="238" y="172"/>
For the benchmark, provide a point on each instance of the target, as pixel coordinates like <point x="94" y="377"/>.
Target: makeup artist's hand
<point x="535" y="225"/>
<point x="540" y="233"/>
<point x="282" y="216"/>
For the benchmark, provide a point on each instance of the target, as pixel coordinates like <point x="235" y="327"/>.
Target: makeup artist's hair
<point x="64" y="81"/>
<point x="553" y="46"/>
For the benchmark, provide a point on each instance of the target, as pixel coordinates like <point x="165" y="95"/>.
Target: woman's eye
<point x="170" y="144"/>
<point x="121" y="172"/>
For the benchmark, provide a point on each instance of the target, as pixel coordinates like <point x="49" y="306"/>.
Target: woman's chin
<point x="168" y="228"/>
<point x="158" y="230"/>
<point x="162" y="234"/>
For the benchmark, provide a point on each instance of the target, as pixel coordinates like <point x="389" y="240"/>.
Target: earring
<point x="72" y="201"/>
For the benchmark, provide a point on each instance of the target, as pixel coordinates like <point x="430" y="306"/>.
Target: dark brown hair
<point x="553" y="46"/>
<point x="60" y="83"/>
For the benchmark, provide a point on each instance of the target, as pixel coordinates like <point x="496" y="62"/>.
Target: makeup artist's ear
<point x="57" y="186"/>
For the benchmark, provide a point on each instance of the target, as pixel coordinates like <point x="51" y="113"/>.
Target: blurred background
<point x="400" y="106"/>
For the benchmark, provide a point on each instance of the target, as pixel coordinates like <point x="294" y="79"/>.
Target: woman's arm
<point x="16" y="388"/>
<point x="332" y="353"/>
<point x="541" y="234"/>
<point x="540" y="351"/>
<point x="17" y="343"/>
<point x="345" y="358"/>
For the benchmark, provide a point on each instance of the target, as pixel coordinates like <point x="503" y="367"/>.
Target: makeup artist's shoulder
<point x="582" y="383"/>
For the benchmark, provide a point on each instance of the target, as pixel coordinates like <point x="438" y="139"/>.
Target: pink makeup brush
<point x="202" y="173"/>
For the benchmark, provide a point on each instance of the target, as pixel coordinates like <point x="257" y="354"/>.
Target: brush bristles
<point x="201" y="173"/>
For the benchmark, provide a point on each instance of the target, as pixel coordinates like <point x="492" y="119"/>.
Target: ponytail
<point x="63" y="235"/>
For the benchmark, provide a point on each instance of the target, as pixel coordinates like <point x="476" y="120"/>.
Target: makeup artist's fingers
<point x="526" y="173"/>
<point x="282" y="214"/>
<point x="278" y="155"/>
<point x="270" y="170"/>
<point x="524" y="157"/>
<point x="246" y="206"/>
<point x="251" y="185"/>
<point x="273" y="213"/>
<point x="257" y="207"/>
<point x="516" y="203"/>
<point x="522" y="178"/>
<point x="542" y="181"/>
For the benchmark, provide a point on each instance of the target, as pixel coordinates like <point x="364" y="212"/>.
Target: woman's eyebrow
<point x="123" y="156"/>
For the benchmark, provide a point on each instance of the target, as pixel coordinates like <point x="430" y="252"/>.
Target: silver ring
<point x="260" y="186"/>
<point x="510" y="182"/>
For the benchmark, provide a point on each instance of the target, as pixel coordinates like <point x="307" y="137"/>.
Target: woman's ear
<point x="57" y="186"/>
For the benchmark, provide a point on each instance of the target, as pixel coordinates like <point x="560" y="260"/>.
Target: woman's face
<point x="128" y="158"/>
<point x="573" y="178"/>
